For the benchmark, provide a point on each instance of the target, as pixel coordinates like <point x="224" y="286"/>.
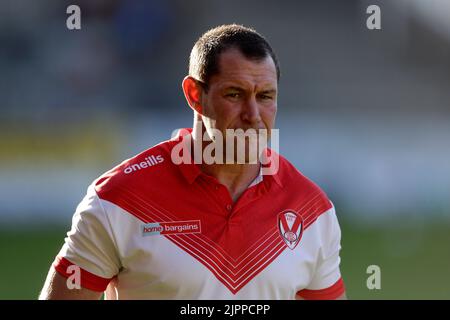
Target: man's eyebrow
<point x="269" y="91"/>
<point x="234" y="88"/>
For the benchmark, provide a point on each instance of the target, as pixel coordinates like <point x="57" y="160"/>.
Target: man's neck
<point x="236" y="177"/>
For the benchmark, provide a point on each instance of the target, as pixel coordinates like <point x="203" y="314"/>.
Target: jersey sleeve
<point x="89" y="245"/>
<point x="327" y="283"/>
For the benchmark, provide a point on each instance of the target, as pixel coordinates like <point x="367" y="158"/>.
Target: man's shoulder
<point x="298" y="185"/>
<point x="137" y="170"/>
<point x="290" y="175"/>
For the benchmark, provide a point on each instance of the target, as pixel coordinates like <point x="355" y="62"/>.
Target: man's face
<point x="243" y="95"/>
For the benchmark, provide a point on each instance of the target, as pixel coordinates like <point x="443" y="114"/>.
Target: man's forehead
<point x="243" y="85"/>
<point x="235" y="68"/>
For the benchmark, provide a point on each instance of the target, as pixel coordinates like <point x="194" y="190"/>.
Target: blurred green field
<point x="414" y="260"/>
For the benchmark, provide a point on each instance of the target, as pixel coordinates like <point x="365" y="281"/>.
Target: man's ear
<point x="193" y="93"/>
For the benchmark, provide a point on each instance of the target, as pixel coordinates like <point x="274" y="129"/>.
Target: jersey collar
<point x="191" y="171"/>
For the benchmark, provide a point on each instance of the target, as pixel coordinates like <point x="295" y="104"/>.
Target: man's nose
<point x="250" y="112"/>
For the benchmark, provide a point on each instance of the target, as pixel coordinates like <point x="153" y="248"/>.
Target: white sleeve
<point x="327" y="270"/>
<point x="90" y="243"/>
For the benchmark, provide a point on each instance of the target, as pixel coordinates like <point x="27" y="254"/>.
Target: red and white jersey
<point x="150" y="229"/>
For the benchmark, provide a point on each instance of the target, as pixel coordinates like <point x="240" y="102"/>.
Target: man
<point x="162" y="225"/>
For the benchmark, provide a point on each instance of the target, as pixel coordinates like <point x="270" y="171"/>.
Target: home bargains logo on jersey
<point x="175" y="227"/>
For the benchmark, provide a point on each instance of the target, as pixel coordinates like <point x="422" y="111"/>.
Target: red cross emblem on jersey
<point x="290" y="225"/>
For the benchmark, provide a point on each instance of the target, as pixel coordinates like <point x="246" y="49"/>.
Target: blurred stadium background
<point x="366" y="114"/>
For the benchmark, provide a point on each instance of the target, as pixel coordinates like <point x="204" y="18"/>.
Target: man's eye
<point x="233" y="95"/>
<point x="266" y="97"/>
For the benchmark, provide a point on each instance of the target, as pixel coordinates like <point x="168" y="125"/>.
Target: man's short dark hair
<point x="204" y="59"/>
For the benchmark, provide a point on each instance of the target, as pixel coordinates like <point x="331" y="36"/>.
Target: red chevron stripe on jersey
<point x="235" y="245"/>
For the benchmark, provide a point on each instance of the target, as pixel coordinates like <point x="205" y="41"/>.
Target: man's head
<point x="233" y="81"/>
<point x="204" y="58"/>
